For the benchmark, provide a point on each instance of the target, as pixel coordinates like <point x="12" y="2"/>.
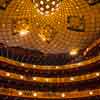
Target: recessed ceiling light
<point x="46" y="7"/>
<point x="53" y="2"/>
<point x="41" y="2"/>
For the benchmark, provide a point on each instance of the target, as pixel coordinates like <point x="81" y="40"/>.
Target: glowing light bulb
<point x="47" y="0"/>
<point x="22" y="64"/>
<point x="21" y="77"/>
<point x="46" y="12"/>
<point x="91" y="93"/>
<point x="41" y="2"/>
<point x="34" y="78"/>
<point x="71" y="78"/>
<point x="34" y="94"/>
<point x="34" y="66"/>
<point x="63" y="95"/>
<point x="47" y="6"/>
<point x="74" y="52"/>
<point x="52" y="9"/>
<point x="97" y="74"/>
<point x="7" y="74"/>
<point x="42" y="9"/>
<point x="53" y="2"/>
<point x="20" y="93"/>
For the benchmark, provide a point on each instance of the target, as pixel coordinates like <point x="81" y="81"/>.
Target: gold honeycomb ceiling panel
<point x="60" y="37"/>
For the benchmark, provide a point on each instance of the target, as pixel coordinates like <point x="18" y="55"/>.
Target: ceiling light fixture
<point x="46" y="7"/>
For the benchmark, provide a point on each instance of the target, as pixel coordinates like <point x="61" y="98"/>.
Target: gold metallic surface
<point x="47" y="95"/>
<point x="64" y="39"/>
<point x="42" y="67"/>
<point x="49" y="80"/>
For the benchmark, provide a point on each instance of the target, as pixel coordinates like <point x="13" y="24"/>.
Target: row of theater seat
<point x="34" y="56"/>
<point x="18" y="98"/>
<point x="62" y="87"/>
<point x="50" y="73"/>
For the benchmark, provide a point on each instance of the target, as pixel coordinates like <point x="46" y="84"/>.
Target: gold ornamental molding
<point x="48" y="79"/>
<point x="43" y="67"/>
<point x="49" y="95"/>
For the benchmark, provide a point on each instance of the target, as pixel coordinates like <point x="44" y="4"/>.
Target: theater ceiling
<point x="52" y="26"/>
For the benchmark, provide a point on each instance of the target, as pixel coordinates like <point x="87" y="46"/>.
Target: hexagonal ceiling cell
<point x="73" y="24"/>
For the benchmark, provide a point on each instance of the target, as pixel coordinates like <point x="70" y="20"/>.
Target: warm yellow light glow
<point x="34" y="78"/>
<point x="91" y="93"/>
<point x="7" y="74"/>
<point x="34" y="94"/>
<point x="57" y="5"/>
<point x="21" y="77"/>
<point x="71" y="78"/>
<point x="34" y="66"/>
<point x="47" y="80"/>
<point x="23" y="32"/>
<point x="53" y="2"/>
<point x="36" y="5"/>
<point x="41" y="2"/>
<point x="41" y="8"/>
<point x="79" y="64"/>
<point x="63" y="95"/>
<point x="74" y="52"/>
<point x="46" y="7"/>
<point x="97" y="74"/>
<point x="22" y="64"/>
<point x="20" y="93"/>
<point x="52" y="9"/>
<point x="57" y="67"/>
<point x="47" y="12"/>
<point x="42" y="37"/>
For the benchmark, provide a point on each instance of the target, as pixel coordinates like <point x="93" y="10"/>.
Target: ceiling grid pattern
<point x="64" y="39"/>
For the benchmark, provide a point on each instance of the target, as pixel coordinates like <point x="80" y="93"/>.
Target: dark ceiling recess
<point x="93" y="2"/>
<point x="4" y="4"/>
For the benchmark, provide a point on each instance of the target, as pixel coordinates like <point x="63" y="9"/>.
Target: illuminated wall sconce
<point x="75" y="23"/>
